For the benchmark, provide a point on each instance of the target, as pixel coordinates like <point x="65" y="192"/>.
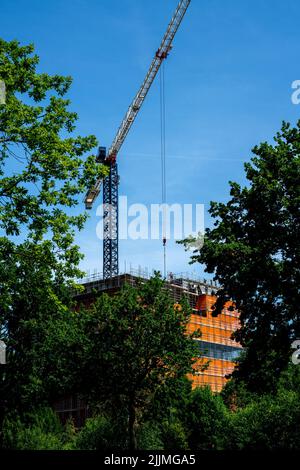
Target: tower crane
<point x="111" y="182"/>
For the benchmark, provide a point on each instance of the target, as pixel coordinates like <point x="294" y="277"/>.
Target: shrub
<point x="174" y="436"/>
<point x="101" y="433"/>
<point x="149" y="437"/>
<point x="206" y="420"/>
<point x="35" y="431"/>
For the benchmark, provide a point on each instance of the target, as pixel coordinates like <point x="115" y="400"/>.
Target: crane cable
<point x="163" y="163"/>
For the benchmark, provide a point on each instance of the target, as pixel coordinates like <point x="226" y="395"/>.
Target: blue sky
<point x="228" y="87"/>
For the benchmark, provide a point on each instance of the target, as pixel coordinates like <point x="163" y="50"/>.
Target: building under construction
<point x="215" y="343"/>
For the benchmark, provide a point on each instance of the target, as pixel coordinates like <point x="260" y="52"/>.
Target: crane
<point x="111" y="182"/>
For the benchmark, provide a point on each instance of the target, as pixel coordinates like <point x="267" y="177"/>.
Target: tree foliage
<point x="269" y="423"/>
<point x="42" y="168"/>
<point x="206" y="420"/>
<point x="42" y="334"/>
<point x="38" y="430"/>
<point x="253" y="251"/>
<point x="136" y="342"/>
<point x="43" y="172"/>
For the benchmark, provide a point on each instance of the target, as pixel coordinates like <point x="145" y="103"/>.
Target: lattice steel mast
<point x="110" y="183"/>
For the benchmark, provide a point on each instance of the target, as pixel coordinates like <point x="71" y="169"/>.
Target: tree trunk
<point x="132" y="426"/>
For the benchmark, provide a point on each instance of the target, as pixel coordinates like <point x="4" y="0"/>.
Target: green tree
<point x="253" y="251"/>
<point x="42" y="167"/>
<point x="136" y="342"/>
<point x="42" y="333"/>
<point x="43" y="172"/>
<point x="269" y="423"/>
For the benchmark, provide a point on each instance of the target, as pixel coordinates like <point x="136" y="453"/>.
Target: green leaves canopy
<point x="136" y="342"/>
<point x="43" y="173"/>
<point x="42" y="167"/>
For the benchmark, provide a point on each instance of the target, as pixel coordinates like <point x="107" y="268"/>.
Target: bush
<point x="106" y="434"/>
<point x="270" y="423"/>
<point x="35" y="431"/>
<point x="149" y="437"/>
<point x="174" y="436"/>
<point x="100" y="433"/>
<point x="235" y="395"/>
<point x="206" y="420"/>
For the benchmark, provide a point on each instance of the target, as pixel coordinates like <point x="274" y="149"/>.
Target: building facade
<point x="216" y="347"/>
<point x="215" y="343"/>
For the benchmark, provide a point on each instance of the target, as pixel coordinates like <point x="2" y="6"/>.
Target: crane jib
<point x="160" y="55"/>
<point x="136" y="104"/>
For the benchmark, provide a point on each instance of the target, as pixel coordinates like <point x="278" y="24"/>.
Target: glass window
<point x="218" y="351"/>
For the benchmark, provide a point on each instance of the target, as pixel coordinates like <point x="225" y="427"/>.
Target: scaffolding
<point x="216" y="344"/>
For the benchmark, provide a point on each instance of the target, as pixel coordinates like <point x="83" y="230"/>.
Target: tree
<point x="136" y="342"/>
<point x="43" y="171"/>
<point x="269" y="423"/>
<point x="253" y="251"/>
<point x="43" y="335"/>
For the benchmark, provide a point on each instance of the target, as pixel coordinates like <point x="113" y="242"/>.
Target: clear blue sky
<point x="228" y="83"/>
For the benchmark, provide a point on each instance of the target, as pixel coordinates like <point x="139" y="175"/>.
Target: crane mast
<point x="110" y="183"/>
